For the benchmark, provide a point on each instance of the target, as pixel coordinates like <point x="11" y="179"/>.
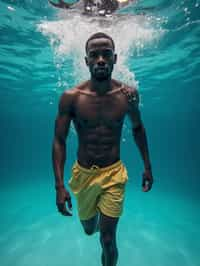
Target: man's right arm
<point x="62" y="124"/>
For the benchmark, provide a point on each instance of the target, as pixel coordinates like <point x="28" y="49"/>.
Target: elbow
<point x="139" y="129"/>
<point x="58" y="141"/>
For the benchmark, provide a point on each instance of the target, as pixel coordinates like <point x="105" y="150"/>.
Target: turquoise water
<point x="41" y="54"/>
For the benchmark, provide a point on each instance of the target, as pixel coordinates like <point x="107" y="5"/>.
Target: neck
<point x="101" y="87"/>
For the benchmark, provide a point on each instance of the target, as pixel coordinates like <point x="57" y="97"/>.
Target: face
<point x="100" y="58"/>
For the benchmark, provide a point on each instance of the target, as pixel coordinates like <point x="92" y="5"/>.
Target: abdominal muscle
<point x="99" y="150"/>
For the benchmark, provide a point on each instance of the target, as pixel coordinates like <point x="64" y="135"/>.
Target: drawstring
<point x="94" y="167"/>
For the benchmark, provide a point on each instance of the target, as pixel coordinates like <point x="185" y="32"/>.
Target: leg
<point x="107" y="227"/>
<point x="91" y="226"/>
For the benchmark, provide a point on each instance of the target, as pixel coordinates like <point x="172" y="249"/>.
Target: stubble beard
<point x="104" y="77"/>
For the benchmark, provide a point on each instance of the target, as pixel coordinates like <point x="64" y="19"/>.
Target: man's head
<point x="100" y="56"/>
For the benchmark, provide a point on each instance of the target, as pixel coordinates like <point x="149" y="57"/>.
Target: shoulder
<point x="131" y="93"/>
<point x="67" y="99"/>
<point x="69" y="95"/>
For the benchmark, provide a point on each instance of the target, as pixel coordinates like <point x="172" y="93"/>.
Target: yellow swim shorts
<point x="99" y="189"/>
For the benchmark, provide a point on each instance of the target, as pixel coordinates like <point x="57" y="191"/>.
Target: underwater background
<point x="41" y="55"/>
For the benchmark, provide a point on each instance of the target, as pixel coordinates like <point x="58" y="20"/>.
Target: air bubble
<point x="11" y="8"/>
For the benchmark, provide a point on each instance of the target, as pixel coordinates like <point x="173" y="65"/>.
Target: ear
<point x="115" y="58"/>
<point x="86" y="60"/>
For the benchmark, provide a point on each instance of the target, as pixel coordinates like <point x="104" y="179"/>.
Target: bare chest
<point x="92" y="111"/>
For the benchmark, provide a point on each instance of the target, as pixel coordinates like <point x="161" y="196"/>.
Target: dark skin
<point x="97" y="108"/>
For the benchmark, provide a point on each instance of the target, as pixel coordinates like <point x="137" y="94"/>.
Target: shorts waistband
<point x="96" y="168"/>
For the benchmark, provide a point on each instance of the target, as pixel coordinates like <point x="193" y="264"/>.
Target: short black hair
<point x="99" y="35"/>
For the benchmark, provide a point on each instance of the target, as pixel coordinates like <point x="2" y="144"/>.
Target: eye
<point x="93" y="54"/>
<point x="107" y="53"/>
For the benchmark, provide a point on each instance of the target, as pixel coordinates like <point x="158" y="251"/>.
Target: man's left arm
<point x="139" y="135"/>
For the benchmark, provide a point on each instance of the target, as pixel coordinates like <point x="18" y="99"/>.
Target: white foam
<point x="70" y="32"/>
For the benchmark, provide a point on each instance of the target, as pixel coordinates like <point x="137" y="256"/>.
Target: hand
<point x="62" y="195"/>
<point x="147" y="180"/>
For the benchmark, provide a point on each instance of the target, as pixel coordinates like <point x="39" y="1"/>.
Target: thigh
<point x="107" y="224"/>
<point x="90" y="224"/>
<point x="112" y="200"/>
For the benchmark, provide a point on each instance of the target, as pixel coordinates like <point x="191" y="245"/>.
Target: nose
<point x="101" y="61"/>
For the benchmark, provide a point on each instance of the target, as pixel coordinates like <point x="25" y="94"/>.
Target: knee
<point x="107" y="239"/>
<point x="89" y="231"/>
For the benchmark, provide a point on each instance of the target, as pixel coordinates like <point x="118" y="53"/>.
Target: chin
<point x="102" y="78"/>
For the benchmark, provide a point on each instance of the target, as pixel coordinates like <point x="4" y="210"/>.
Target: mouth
<point x="101" y="72"/>
<point x="101" y="69"/>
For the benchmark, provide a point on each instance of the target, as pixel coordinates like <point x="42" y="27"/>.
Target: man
<point x="97" y="108"/>
<point x="100" y="7"/>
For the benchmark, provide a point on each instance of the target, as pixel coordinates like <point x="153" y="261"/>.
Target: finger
<point x="143" y="182"/>
<point x="147" y="187"/>
<point x="69" y="203"/>
<point x="65" y="212"/>
<point x="62" y="209"/>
